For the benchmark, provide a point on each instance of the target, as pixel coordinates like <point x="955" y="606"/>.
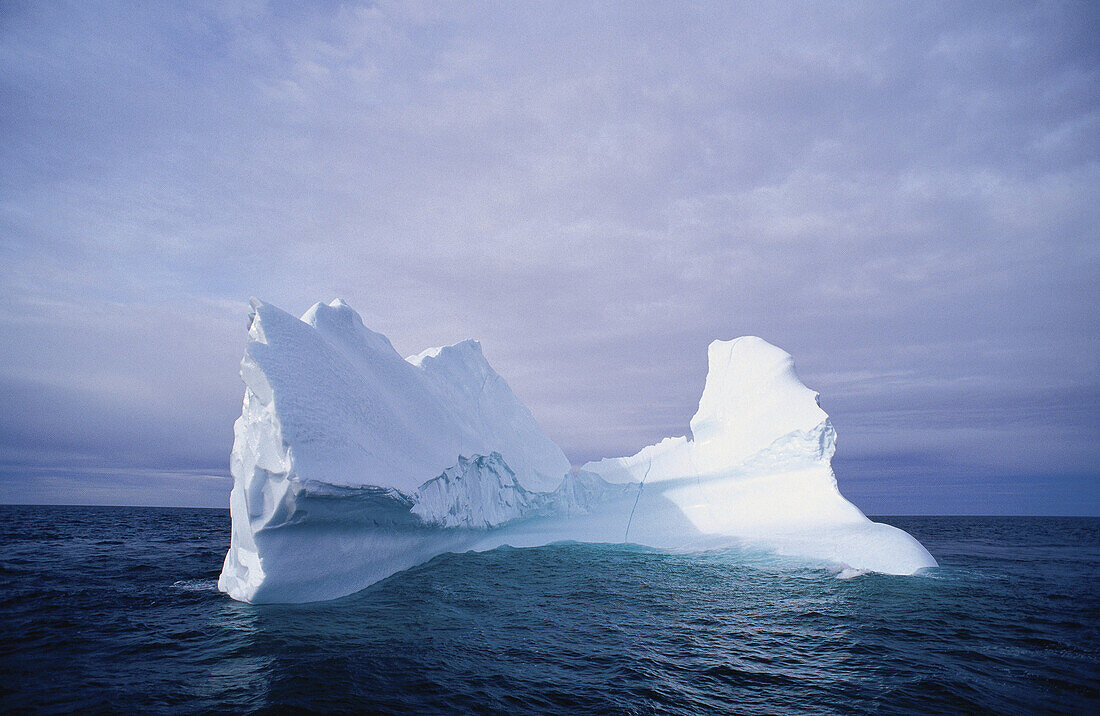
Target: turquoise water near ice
<point x="116" y="609"/>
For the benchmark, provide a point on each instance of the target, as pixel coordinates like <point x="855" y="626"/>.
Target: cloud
<point x="903" y="198"/>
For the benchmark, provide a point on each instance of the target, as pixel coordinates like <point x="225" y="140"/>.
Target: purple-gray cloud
<point x="906" y="198"/>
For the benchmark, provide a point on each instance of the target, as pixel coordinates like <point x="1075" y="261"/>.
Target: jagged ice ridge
<point x="351" y="463"/>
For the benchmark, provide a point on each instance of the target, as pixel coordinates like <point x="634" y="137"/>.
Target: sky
<point x="904" y="196"/>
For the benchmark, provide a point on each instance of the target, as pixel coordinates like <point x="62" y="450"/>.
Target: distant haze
<point x="904" y="196"/>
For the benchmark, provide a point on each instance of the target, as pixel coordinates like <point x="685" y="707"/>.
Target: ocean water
<point x="116" y="609"/>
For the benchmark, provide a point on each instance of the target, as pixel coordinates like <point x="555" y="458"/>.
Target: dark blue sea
<point x="116" y="609"/>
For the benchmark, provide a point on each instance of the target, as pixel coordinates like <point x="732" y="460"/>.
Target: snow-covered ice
<point x="757" y="467"/>
<point x="351" y="463"/>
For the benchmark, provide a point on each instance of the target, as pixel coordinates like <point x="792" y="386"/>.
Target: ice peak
<point x="261" y="313"/>
<point x="334" y="313"/>
<point x="342" y="324"/>
<point x="752" y="392"/>
<point x="746" y="354"/>
<point x="469" y="348"/>
<point x="753" y="403"/>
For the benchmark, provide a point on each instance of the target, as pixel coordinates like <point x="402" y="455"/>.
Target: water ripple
<point x="117" y="609"/>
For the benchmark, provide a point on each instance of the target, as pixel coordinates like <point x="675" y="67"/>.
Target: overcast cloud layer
<point x="905" y="196"/>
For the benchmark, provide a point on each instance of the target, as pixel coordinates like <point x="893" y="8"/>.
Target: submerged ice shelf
<point x="351" y="463"/>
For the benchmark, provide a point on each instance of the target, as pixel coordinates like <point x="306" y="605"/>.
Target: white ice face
<point x="351" y="463"/>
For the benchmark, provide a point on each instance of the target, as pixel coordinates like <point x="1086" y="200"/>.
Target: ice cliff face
<point x="478" y="492"/>
<point x="351" y="463"/>
<point x="330" y="403"/>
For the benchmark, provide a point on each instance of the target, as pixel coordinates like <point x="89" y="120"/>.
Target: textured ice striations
<point x="351" y="463"/>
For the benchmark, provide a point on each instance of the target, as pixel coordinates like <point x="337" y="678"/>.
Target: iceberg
<point x="351" y="463"/>
<point x="758" y="468"/>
